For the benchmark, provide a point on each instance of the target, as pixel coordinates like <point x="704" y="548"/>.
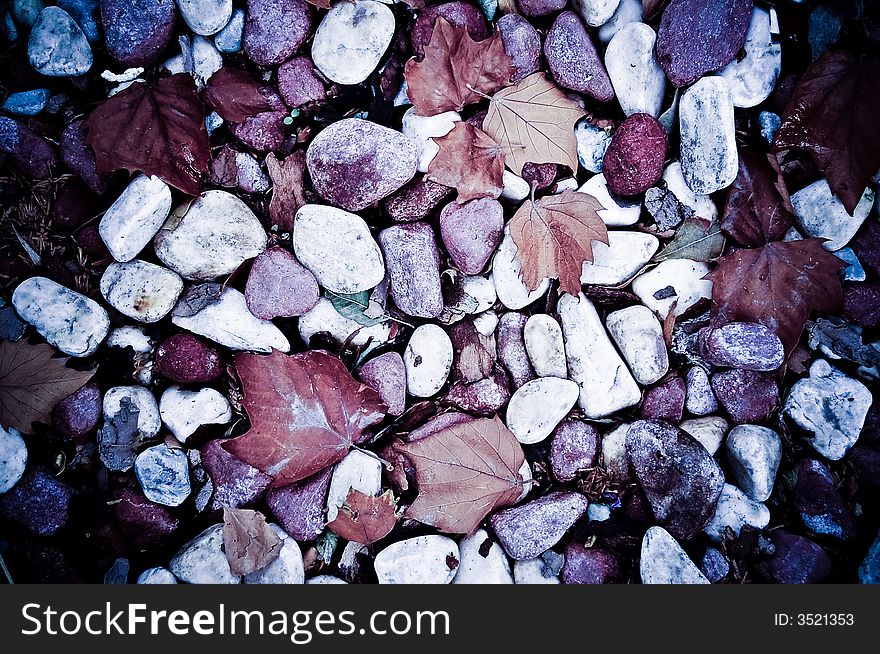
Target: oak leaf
<point x="463" y="473"/>
<point x="534" y="122"/>
<point x="554" y="237"/>
<point x="365" y="518"/>
<point x="306" y="411"/>
<point x="287" y="188"/>
<point x="469" y="161"/>
<point x="236" y="96"/>
<point x="758" y="208"/>
<point x="157" y="130"/>
<point x="250" y="544"/>
<point x="456" y="70"/>
<point x="32" y="382"/>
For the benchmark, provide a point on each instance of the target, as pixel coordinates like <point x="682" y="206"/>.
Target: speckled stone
<point x="795" y="560"/>
<point x="280" y="286"/>
<point x="459" y="14"/>
<point x="40" y="502"/>
<point x="186" y="359"/>
<point x="137" y="31"/>
<point x="573" y="449"/>
<point x="634" y="161"/>
<point x="275" y="29"/>
<point x="472" y="232"/>
<point x="746" y="395"/>
<point x="79" y="413"/>
<point x="299" y="507"/>
<point x="386" y="375"/>
<point x="236" y="483"/>
<point x="415" y="200"/>
<point x="522" y="43"/>
<point x="527" y="530"/>
<point x="591" y="565"/>
<point x="412" y="261"/>
<point x="573" y="60"/>
<point x="743" y="345"/>
<point x="298" y="84"/>
<point x="665" y="401"/>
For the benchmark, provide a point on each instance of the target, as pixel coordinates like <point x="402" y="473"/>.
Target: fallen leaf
<point x="470" y="162"/>
<point x="358" y="307"/>
<point x="365" y="518"/>
<point x="250" y="544"/>
<point x="321" y="4"/>
<point x="463" y="473"/>
<point x="777" y="285"/>
<point x="697" y="238"/>
<point x="32" y="382"/>
<point x="306" y="411"/>
<point x="157" y="130"/>
<point x="456" y="70"/>
<point x="534" y="122"/>
<point x="236" y="96"/>
<point x="651" y="7"/>
<point x="554" y="237"/>
<point x="758" y="208"/>
<point x="832" y="116"/>
<point x="287" y="189"/>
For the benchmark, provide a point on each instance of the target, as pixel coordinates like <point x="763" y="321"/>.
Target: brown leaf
<point x="554" y="237"/>
<point x="321" y="4"/>
<point x="777" y="285"/>
<point x="469" y="161"/>
<point x="758" y="208"/>
<point x="32" y="382"/>
<point x="456" y="70"/>
<point x="365" y="518"/>
<point x="306" y="411"/>
<point x="287" y="191"/>
<point x="236" y="96"/>
<point x="651" y="7"/>
<point x="250" y="544"/>
<point x="157" y="130"/>
<point x="534" y="122"/>
<point x="463" y="473"/>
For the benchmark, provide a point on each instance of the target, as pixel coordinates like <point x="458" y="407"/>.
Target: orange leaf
<point x="365" y="518"/>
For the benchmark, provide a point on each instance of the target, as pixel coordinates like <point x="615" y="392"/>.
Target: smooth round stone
<point x="573" y="60"/>
<point x="163" y="474"/>
<point x="484" y="397"/>
<point x="639" y="337"/>
<point x="156" y="576"/>
<point x="68" y="320"/>
<point x="596" y="12"/>
<point x="534" y="571"/>
<point x="538" y="406"/>
<point x="545" y="346"/>
<point x="26" y="103"/>
<point x="663" y="561"/>
<point x="386" y="374"/>
<point x="205" y="17"/>
<point x="185" y="359"/>
<point x="298" y="84"/>
<point x="591" y="565"/>
<point x="229" y="39"/>
<point x="236" y="484"/>
<point x="351" y="40"/>
<point x="639" y="82"/>
<point x="275" y="29"/>
<point x="819" y="503"/>
<point x="511" y="348"/>
<point x="822" y="214"/>
<point x="734" y="511"/>
<point x="412" y="260"/>
<point x="415" y="200"/>
<point x="264" y="132"/>
<point x="748" y="396"/>
<point x="708" y="430"/>
<point x="469" y="295"/>
<point x="617" y="212"/>
<point x="634" y="161"/>
<point x="141" y="290"/>
<point x="135" y="217"/>
<point x="149" y="423"/>
<point x="700" y="398"/>
<point x="459" y="14"/>
<point x="300" y="507"/>
<point x="506" y="274"/>
<point x="701" y="205"/>
<point x="709" y="158"/>
<point x="745" y="345"/>
<point x="428" y="360"/>
<point x="628" y="11"/>
<point x="338" y="249"/>
<point x="354" y="163"/>
<point x="573" y="449"/>
<point x="420" y="560"/>
<point x="13" y="458"/>
<point x="522" y="43"/>
<point x="626" y="254"/>
<point x="325" y="318"/>
<point x="203" y="561"/>
<point x="26" y="150"/>
<point x="614" y="457"/>
<point x="39" y="502"/>
<point x="754" y="454"/>
<point x="286" y="569"/>
<point x="592" y="142"/>
<point x="515" y="188"/>
<point x="535" y="8"/>
<point x="358" y="471"/>
<point x="675" y="281"/>
<point x="57" y="46"/>
<point x="214" y="237"/>
<point x="78" y="413"/>
<point x="280" y="286"/>
<point x="665" y="401"/>
<point x="137" y="31"/>
<point x="482" y="561"/>
<point x="471" y="232"/>
<point x="422" y="130"/>
<point x="753" y="78"/>
<point x="528" y="530"/>
<point x="795" y="560"/>
<point x="184" y="412"/>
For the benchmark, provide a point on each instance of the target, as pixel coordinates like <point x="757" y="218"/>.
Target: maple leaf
<point x="287" y="189"/>
<point x="777" y="285"/>
<point x="365" y="518"/>
<point x="534" y="122"/>
<point x="32" y="382"/>
<point x="250" y="544"/>
<point x="758" y="208"/>
<point x="456" y="70"/>
<point x="306" y="411"/>
<point x="469" y="161"/>
<point x="554" y="237"/>
<point x="463" y="473"/>
<point x="158" y="130"/>
<point x="236" y="96"/>
<point x="832" y="116"/>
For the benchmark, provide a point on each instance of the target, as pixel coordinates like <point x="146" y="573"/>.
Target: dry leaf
<point x="534" y="122"/>
<point x="758" y="209"/>
<point x="32" y="382"/>
<point x="321" y="4"/>
<point x="463" y="473"/>
<point x="469" y="161"/>
<point x="236" y="96"/>
<point x="287" y="190"/>
<point x="250" y="544"/>
<point x="365" y="518"/>
<point x="554" y="237"/>
<point x="697" y="239"/>
<point x="456" y="70"/>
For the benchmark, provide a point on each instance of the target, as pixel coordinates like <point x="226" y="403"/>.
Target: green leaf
<point x="697" y="239"/>
<point x="357" y="307"/>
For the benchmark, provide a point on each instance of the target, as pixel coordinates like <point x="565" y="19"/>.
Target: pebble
<point x="236" y="484"/>
<point x="626" y="254"/>
<point x="822" y="215"/>
<point x="141" y="290"/>
<point x="26" y="12"/>
<point x="596" y="12"/>
<point x="459" y="14"/>
<point x="506" y="271"/>
<point x="420" y="560"/>
<point x="135" y="217"/>
<point x="680" y="479"/>
<point x="665" y="401"/>
<point x="592" y="142"/>
<point x="203" y="561"/>
<point x="185" y="359"/>
<point x="26" y="103"/>
<point x="591" y="565"/>
<point x="527" y="530"/>
<point x="606" y="385"/>
<point x="412" y="259"/>
<point x="831" y="406"/>
<point x="736" y="510"/>
<point x="300" y="507"/>
<point x="573" y="61"/>
<point x="202" y="60"/>
<point x="573" y="449"/>
<point x="512" y="348"/>
<point x="618" y="212"/>
<point x="13" y="458"/>
<point x="534" y="571"/>
<point x="819" y="503"/>
<point x="753" y="78"/>
<point x="471" y="232"/>
<point x="76" y="154"/>
<point x="288" y="568"/>
<point x="638" y="80"/>
<point x="415" y="200"/>
<point x="709" y="158"/>
<point x="148" y="421"/>
<point x="701" y="205"/>
<point x="743" y="345"/>
<point x="280" y="286"/>
<point x="545" y="346"/>
<point x="229" y="323"/>
<point x="163" y="473"/>
<point x="700" y="400"/>
<point x="386" y="374"/>
<point x="628" y="11"/>
<point x="514" y="187"/>
<point x="770" y="124"/>
<point x="869" y="571"/>
<point x="351" y="40"/>
<point x="57" y="46"/>
<point x="754" y="454"/>
<point x="39" y="502"/>
<point x="428" y="360"/>
<point x="522" y="43"/>
<point x="708" y="430"/>
<point x="861" y="303"/>
<point x="538" y="406"/>
<point x="263" y="132"/>
<point x="639" y="337"/>
<point x="26" y="150"/>
<point x="143" y="523"/>
<point x="298" y="84"/>
<point x="854" y="272"/>
<point x="137" y="32"/>
<point x="325" y="318"/>
<point x="748" y="396"/>
<point x="69" y="321"/>
<point x="535" y="8"/>
<point x="156" y="576"/>
<point x="78" y="413"/>
<point x="482" y="561"/>
<point x="358" y="471"/>
<point x="714" y="565"/>
<point x="354" y="163"/>
<point x="275" y="29"/>
<point x="184" y="412"/>
<point x="674" y="281"/>
<point x="795" y="560"/>
<point x="205" y="17"/>
<point x="663" y="561"/>
<point x="614" y="458"/>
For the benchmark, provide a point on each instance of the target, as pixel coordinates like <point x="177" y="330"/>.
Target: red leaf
<point x="157" y="130"/>
<point x="306" y="411"/>
<point x="287" y="190"/>
<point x="469" y="161"/>
<point x="364" y="518"/>
<point x="234" y="95"/>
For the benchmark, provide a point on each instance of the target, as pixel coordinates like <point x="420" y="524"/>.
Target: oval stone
<point x="538" y="406"/>
<point x="280" y="286"/>
<point x="275" y="29"/>
<point x="141" y="290"/>
<point x="522" y="44"/>
<point x="205" y="17"/>
<point x="471" y="232"/>
<point x="57" y="46"/>
<point x="633" y="162"/>
<point x="573" y="59"/>
<point x="137" y="31"/>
